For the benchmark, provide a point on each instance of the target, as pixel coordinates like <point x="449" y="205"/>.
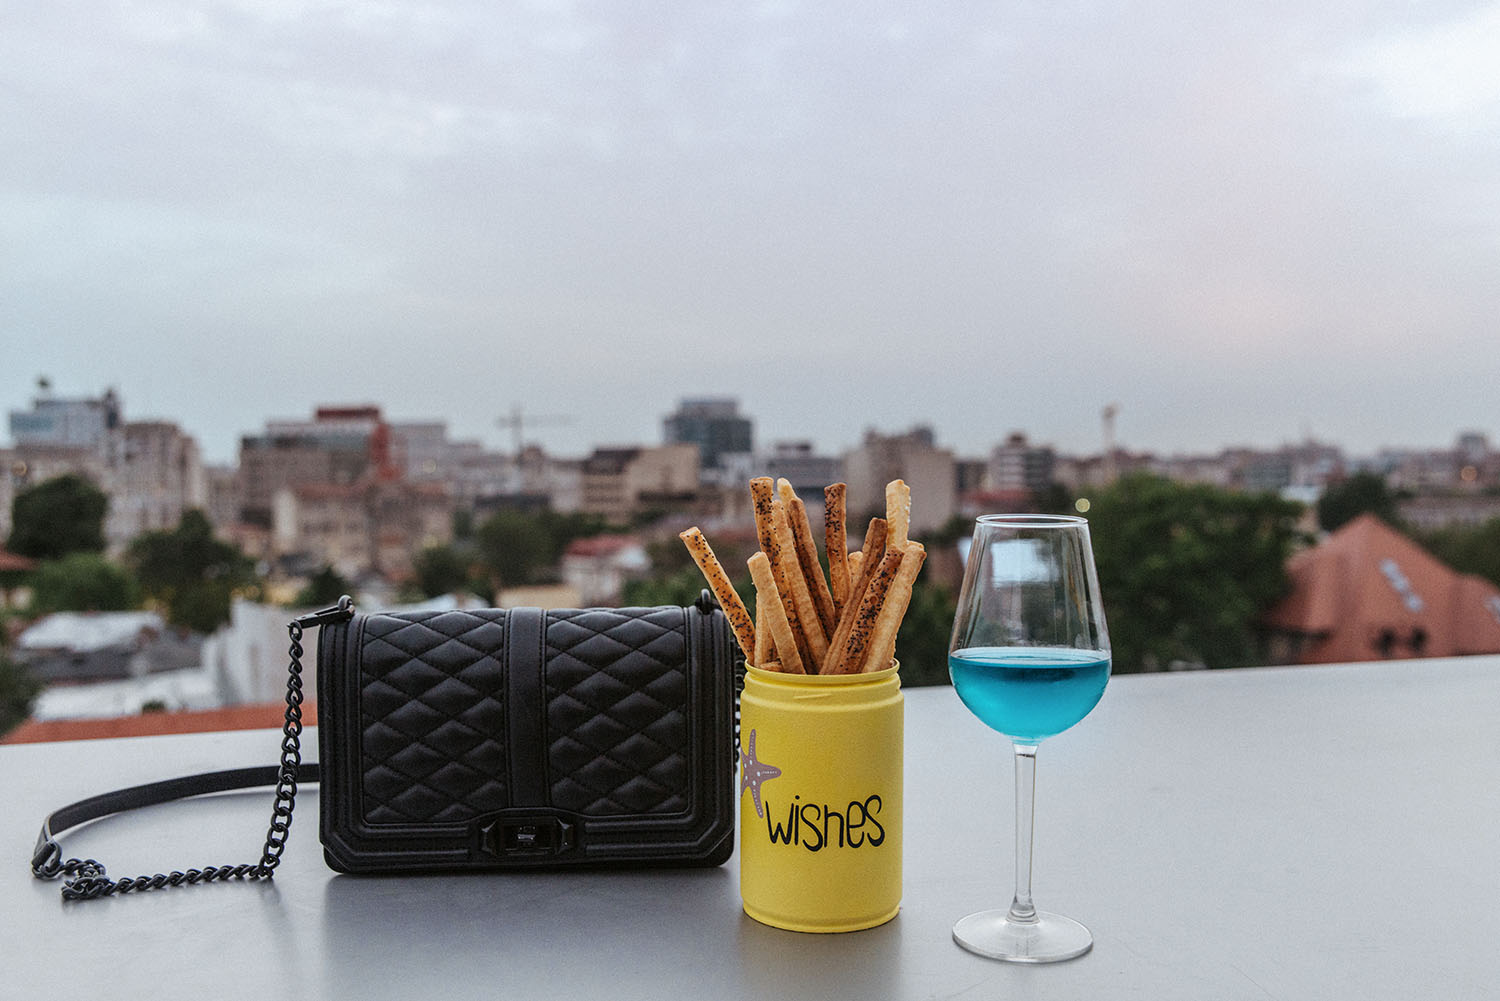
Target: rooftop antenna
<point x="1108" y="418"/>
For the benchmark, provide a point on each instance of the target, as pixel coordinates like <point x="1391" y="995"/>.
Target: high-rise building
<point x="714" y="424"/>
<point x="1019" y="465"/>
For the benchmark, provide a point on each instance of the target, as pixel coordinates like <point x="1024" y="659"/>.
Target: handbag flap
<point x="597" y="734"/>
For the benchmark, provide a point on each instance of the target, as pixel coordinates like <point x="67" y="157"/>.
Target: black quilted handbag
<point x="491" y="739"/>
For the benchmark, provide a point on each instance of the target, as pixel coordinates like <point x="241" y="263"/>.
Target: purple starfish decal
<point x="753" y="772"/>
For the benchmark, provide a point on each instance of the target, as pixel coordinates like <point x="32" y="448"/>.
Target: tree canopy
<point x="325" y="587"/>
<point x="81" y="582"/>
<point x="58" y="516"/>
<point x="18" y="690"/>
<point x="1468" y="548"/>
<point x="192" y="573"/>
<point x="519" y="548"/>
<point x="1186" y="571"/>
<point x="1363" y="492"/>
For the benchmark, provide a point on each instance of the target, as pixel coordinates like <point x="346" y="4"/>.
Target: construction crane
<point x="517" y="421"/>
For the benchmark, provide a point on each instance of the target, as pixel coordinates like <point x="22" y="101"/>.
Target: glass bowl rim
<point x="1024" y="520"/>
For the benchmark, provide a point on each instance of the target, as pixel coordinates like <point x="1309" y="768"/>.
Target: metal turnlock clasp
<point x="528" y="837"/>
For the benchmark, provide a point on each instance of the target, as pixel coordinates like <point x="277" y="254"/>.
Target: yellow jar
<point x="820" y="799"/>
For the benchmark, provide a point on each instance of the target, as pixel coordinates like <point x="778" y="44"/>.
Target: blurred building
<point x="151" y="471"/>
<point x="53" y="422"/>
<point x="340" y="445"/>
<point x="621" y="482"/>
<point x="597" y="568"/>
<point x="798" y="464"/>
<point x="370" y="527"/>
<point x="1370" y="593"/>
<point x="714" y="425"/>
<point x="931" y="472"/>
<point x="80" y="647"/>
<point x="156" y="475"/>
<point x="1018" y="465"/>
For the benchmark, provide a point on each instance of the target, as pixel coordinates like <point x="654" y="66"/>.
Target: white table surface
<point x="1316" y="832"/>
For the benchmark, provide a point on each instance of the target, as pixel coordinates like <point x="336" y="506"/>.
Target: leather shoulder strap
<point x="88" y="878"/>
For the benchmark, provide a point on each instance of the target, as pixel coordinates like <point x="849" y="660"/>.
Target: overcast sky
<point x="1242" y="223"/>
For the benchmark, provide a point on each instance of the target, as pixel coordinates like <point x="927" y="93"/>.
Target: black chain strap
<point x="87" y="879"/>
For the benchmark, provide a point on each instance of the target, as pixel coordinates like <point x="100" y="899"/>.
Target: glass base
<point x="1051" y="938"/>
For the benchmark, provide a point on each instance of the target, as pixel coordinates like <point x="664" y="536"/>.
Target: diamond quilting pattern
<point x="617" y="712"/>
<point x="433" y="714"/>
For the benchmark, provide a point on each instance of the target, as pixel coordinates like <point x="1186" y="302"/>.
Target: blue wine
<point x="1028" y="693"/>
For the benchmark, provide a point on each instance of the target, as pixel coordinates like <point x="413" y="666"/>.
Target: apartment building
<point x="620" y="482"/>
<point x="152" y="471"/>
<point x="913" y="456"/>
<point x="371" y="527"/>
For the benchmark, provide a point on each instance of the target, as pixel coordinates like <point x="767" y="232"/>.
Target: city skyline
<point x="1240" y="225"/>
<point x="500" y="438"/>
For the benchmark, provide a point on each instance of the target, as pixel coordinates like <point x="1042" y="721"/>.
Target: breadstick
<point x="718" y="582"/>
<point x="856" y="561"/>
<point x="869" y="562"/>
<point x="897" y="514"/>
<point x="763" y="496"/>
<point x="767" y="597"/>
<point x="850" y="657"/>
<point x="888" y="622"/>
<point x="836" y="545"/>
<point x="807" y="557"/>
<point x="762" y="637"/>
<point x="793" y="577"/>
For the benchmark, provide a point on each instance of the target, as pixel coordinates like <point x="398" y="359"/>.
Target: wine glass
<point x="1029" y="657"/>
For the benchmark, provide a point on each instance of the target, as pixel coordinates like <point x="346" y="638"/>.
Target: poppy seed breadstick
<point x="869" y="562"/>
<point x="850" y="657"/>
<point x="718" y="582"/>
<point x="791" y="577"/>
<point x="807" y="556"/>
<point x="888" y="623"/>
<point x="836" y="544"/>
<point x="767" y="597"/>
<point x="764" y="501"/>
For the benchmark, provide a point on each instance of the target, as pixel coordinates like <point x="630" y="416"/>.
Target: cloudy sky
<point x="1242" y="223"/>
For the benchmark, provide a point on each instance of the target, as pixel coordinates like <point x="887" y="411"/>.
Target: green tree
<point x="18" y="690"/>
<point x="445" y="570"/>
<point x="325" y="587"/>
<point x="680" y="588"/>
<point x="1468" y="548"/>
<point x="513" y="548"/>
<point x="1363" y="492"/>
<point x="190" y="572"/>
<point x="81" y="582"/>
<point x="1187" y="571"/>
<point x="520" y="548"/>
<point x="56" y="517"/>
<point x="922" y="643"/>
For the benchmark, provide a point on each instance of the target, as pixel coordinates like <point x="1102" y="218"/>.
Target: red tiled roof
<point x="600" y="545"/>
<point x="256" y="717"/>
<point x="12" y="561"/>
<point x="1368" y="592"/>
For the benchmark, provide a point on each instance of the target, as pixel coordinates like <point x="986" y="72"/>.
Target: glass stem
<point x="1021" y="909"/>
